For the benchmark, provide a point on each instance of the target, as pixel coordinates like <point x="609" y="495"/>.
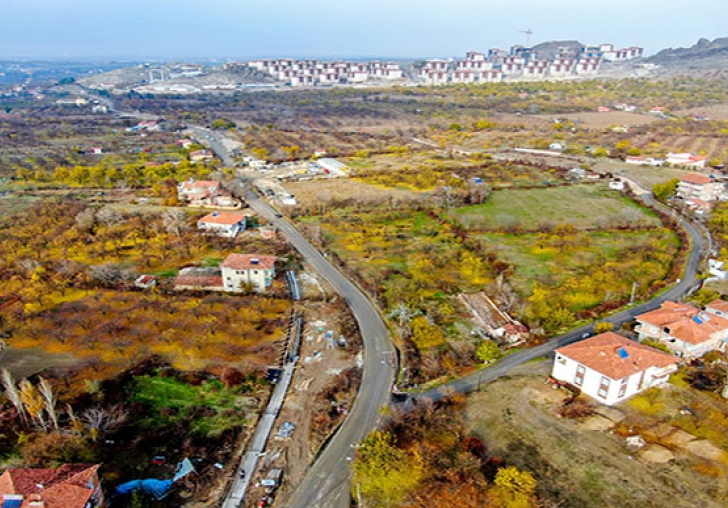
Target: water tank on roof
<point x="623" y="353"/>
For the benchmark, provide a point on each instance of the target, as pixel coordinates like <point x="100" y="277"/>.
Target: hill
<point x="548" y="50"/>
<point x="704" y="54"/>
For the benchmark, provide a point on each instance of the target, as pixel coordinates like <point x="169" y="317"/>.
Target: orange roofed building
<point x="611" y="368"/>
<point x="686" y="330"/>
<point x="69" y="486"/>
<point x="227" y="224"/>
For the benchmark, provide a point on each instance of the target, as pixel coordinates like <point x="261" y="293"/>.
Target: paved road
<point x="687" y="284"/>
<point x="327" y="482"/>
<point x="209" y="138"/>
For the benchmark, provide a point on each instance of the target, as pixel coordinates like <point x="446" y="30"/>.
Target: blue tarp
<point x="152" y="486"/>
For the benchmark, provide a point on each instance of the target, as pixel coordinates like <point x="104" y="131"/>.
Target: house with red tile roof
<point x="611" y="368"/>
<point x="227" y="224"/>
<point x="256" y="271"/>
<point x="687" y="160"/>
<point x="194" y="190"/>
<point x="687" y="331"/>
<point x="718" y="307"/>
<point x="69" y="486"/>
<point x="701" y="187"/>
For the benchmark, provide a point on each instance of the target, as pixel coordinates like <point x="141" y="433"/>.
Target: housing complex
<point x="522" y="63"/>
<point x="611" y="368"/>
<point x="68" y="486"/>
<point x="314" y="72"/>
<point x="687" y="331"/>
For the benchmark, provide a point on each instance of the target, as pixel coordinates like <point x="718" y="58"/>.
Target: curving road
<point x="327" y="482"/>
<point x="688" y="283"/>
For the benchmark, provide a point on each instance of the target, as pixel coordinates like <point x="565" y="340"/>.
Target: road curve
<point x="327" y="482"/>
<point x="688" y="282"/>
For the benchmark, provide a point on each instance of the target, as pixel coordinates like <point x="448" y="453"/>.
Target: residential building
<point x="703" y="187"/>
<point x="68" y="486"/>
<point x="333" y="166"/>
<point x="687" y="160"/>
<point x="145" y="281"/>
<point x="199" y="279"/>
<point x="687" y="331"/>
<point x="226" y="224"/>
<point x="643" y="161"/>
<point x="201" y="155"/>
<point x="193" y="190"/>
<point x="611" y="368"/>
<point x="254" y="270"/>
<point x="718" y="307"/>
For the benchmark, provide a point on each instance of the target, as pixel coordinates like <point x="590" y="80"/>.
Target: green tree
<point x="488" y="351"/>
<point x="603" y="326"/>
<point x="664" y="190"/>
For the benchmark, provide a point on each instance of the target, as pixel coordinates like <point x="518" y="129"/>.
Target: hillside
<point x="548" y="50"/>
<point x="704" y="54"/>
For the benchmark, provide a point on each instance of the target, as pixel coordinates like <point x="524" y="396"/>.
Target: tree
<point x="46" y="391"/>
<point x="425" y="335"/>
<point x="33" y="402"/>
<point x="488" y="351"/>
<point x="11" y="391"/>
<point x="603" y="326"/>
<point x="175" y="221"/>
<point x="513" y="488"/>
<point x="101" y="421"/>
<point x="383" y="473"/>
<point x="664" y="190"/>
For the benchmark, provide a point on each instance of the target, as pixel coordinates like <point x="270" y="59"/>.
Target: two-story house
<point x="68" y="486"/>
<point x="687" y="331"/>
<point x="701" y="187"/>
<point x="611" y="368"/>
<point x="241" y="270"/>
<point x="226" y="224"/>
<point x="195" y="190"/>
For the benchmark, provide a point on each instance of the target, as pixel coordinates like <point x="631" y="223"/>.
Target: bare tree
<point x="29" y="265"/>
<point x="86" y="220"/>
<point x="175" y="221"/>
<point x="101" y="421"/>
<point x="110" y="217"/>
<point x="46" y="391"/>
<point x="11" y="390"/>
<point x="110" y="274"/>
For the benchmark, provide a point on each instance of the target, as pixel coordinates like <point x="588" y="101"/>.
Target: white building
<point x="687" y="331"/>
<point x="192" y="190"/>
<point x="248" y="269"/>
<point x="686" y="160"/>
<point x="701" y="187"/>
<point x="611" y="368"/>
<point x="226" y="224"/>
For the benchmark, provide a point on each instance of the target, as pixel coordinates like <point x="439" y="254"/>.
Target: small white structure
<point x="643" y="161"/>
<point x="687" y="331"/>
<point x="616" y="185"/>
<point x="332" y="166"/>
<point x="611" y="368"/>
<point x="227" y="224"/>
<point x="256" y="271"/>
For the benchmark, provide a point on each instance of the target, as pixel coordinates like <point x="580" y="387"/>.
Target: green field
<point x="584" y="206"/>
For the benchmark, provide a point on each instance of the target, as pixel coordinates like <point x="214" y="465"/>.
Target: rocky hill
<point x="704" y="54"/>
<point x="548" y="50"/>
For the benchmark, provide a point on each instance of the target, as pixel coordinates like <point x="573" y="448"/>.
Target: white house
<point x="687" y="160"/>
<point x="611" y="368"/>
<point x="257" y="271"/>
<point x="687" y="331"/>
<point x="702" y="187"/>
<point x="227" y="224"/>
<point x="192" y="190"/>
<point x="333" y="166"/>
<point x="718" y="307"/>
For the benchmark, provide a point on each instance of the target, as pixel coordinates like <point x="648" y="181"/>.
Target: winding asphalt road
<point x="327" y="482"/>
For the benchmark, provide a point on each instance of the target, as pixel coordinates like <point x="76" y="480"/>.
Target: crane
<point x="528" y="33"/>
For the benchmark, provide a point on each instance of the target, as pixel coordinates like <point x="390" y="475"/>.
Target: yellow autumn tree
<point x="383" y="473"/>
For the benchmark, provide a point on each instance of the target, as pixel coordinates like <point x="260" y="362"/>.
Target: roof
<point x="615" y="356"/>
<point x="720" y="305"/>
<point x="696" y="179"/>
<point x="65" y="487"/>
<point x="199" y="277"/>
<point x="222" y="218"/>
<point x="249" y="261"/>
<point x="685" y="322"/>
<point x="199" y="184"/>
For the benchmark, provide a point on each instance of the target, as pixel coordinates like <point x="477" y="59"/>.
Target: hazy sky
<point x="148" y="29"/>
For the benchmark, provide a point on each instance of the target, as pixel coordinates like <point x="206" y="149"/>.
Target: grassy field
<point x="583" y="206"/>
<point x="537" y="261"/>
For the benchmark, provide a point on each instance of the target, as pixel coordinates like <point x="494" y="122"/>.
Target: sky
<point x="244" y="29"/>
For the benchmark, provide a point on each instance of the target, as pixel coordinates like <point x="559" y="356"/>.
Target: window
<point x="579" y="378"/>
<point x="603" y="387"/>
<point x="561" y="359"/>
<point x="255" y="272"/>
<point x="623" y="387"/>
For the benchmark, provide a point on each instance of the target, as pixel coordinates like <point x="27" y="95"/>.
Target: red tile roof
<point x="685" y="322"/>
<point x="720" y="305"/>
<point x="248" y="262"/>
<point x="696" y="179"/>
<point x="601" y="354"/>
<point x="68" y="486"/>
<point x="222" y="218"/>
